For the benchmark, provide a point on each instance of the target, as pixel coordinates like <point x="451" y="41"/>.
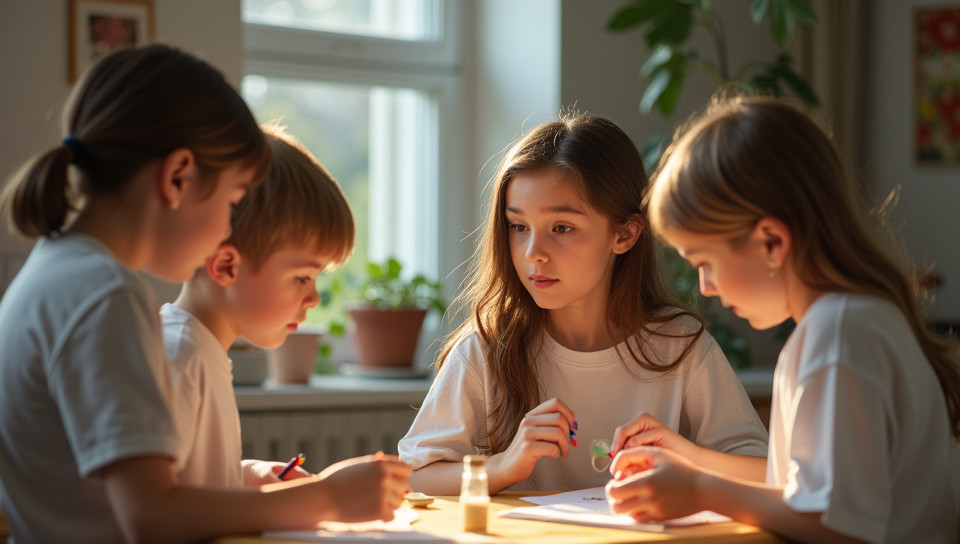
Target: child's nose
<point x="312" y="299"/>
<point x="535" y="250"/>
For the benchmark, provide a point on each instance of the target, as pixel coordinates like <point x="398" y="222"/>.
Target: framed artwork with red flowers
<point x="936" y="74"/>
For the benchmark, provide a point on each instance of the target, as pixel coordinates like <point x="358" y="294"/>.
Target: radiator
<point x="323" y="436"/>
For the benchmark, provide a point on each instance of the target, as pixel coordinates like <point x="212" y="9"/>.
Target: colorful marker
<point x="295" y="462"/>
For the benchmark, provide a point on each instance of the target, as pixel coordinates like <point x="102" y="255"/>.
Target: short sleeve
<point x="847" y="480"/>
<point x="717" y="409"/>
<point x="107" y="376"/>
<point x="452" y="420"/>
<point x="185" y="401"/>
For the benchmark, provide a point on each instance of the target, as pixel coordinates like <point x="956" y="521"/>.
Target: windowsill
<point x="325" y="391"/>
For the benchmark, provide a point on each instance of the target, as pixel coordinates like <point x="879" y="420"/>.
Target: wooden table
<point x="442" y="519"/>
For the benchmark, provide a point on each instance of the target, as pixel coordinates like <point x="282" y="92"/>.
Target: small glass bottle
<point x="474" y="493"/>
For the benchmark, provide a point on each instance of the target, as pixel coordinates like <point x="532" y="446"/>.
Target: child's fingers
<point x="637" y="425"/>
<point x="297" y="472"/>
<point x="634" y="460"/>
<point x="653" y="437"/>
<point x="557" y="438"/>
<point x="566" y="435"/>
<point x="397" y="469"/>
<point x="558" y="406"/>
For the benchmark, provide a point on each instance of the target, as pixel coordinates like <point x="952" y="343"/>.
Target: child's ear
<point x="223" y="265"/>
<point x="177" y="171"/>
<point x="627" y="236"/>
<point x="775" y="239"/>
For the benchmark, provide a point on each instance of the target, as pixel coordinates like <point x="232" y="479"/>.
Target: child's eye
<point x="305" y="280"/>
<point x="517" y="227"/>
<point x="563" y="229"/>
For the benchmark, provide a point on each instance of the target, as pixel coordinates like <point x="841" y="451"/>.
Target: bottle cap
<point x="475" y="461"/>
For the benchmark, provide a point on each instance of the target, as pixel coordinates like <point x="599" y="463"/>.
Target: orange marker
<point x="295" y="462"/>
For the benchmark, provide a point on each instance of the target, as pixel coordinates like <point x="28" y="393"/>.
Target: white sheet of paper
<point x="589" y="507"/>
<point x="398" y="529"/>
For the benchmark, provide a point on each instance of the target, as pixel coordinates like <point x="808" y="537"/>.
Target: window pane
<point x="380" y="144"/>
<point x="414" y="20"/>
<point x="332" y="121"/>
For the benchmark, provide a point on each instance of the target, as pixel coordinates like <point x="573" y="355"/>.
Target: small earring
<point x="772" y="263"/>
<point x="175" y="205"/>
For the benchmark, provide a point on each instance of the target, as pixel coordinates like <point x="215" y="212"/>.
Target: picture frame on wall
<point x="936" y="85"/>
<point x="100" y="27"/>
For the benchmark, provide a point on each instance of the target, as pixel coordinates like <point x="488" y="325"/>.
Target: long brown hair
<point x="750" y="158"/>
<point x="602" y="160"/>
<point x="134" y="106"/>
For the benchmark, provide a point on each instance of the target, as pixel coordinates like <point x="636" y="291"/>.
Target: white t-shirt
<point x="202" y="402"/>
<point x="702" y="400"/>
<point x="859" y="427"/>
<point x="82" y="376"/>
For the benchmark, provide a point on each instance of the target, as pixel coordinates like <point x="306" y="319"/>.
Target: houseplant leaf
<point x="758" y="10"/>
<point x="671" y="26"/>
<point x="801" y="12"/>
<point x="636" y="14"/>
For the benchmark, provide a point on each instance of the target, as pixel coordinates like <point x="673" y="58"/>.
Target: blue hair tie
<point x="79" y="156"/>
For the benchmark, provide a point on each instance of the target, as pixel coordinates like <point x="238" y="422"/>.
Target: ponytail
<point x="35" y="199"/>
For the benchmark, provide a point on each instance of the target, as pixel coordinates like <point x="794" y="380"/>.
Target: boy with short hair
<point x="258" y="284"/>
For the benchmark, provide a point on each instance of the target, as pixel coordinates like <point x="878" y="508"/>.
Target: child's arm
<point x="645" y="430"/>
<point x="438" y="478"/>
<point x="544" y="432"/>
<point x="653" y="484"/>
<point x="257" y="472"/>
<point x="150" y="506"/>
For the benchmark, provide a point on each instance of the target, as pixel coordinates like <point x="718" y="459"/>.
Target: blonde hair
<point x="597" y="156"/>
<point x="133" y="107"/>
<point x="299" y="203"/>
<point x="750" y="158"/>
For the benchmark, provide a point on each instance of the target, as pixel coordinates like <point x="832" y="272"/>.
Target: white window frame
<point x="434" y="67"/>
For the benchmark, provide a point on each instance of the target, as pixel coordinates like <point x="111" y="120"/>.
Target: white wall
<point x="34" y="86"/>
<point x="514" y="61"/>
<point x="600" y="70"/>
<point x="929" y="198"/>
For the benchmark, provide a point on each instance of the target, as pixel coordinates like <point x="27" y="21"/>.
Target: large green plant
<point x="668" y="26"/>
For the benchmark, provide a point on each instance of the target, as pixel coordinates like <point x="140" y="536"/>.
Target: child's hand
<point x="652" y="484"/>
<point x="549" y="430"/>
<point x="257" y="472"/>
<point x="645" y="430"/>
<point x="366" y="488"/>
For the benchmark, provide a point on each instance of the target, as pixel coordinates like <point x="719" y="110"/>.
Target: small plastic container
<point x="474" y="494"/>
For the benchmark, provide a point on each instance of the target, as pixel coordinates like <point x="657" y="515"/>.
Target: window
<point x="398" y="19"/>
<point x="372" y="88"/>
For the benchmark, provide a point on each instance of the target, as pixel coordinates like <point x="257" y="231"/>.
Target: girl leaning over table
<point x="866" y="400"/>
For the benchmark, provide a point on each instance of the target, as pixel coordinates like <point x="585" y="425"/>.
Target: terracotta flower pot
<point x="386" y="337"/>
<point x="294" y="360"/>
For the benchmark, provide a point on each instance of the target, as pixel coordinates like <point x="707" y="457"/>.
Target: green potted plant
<point x="387" y="310"/>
